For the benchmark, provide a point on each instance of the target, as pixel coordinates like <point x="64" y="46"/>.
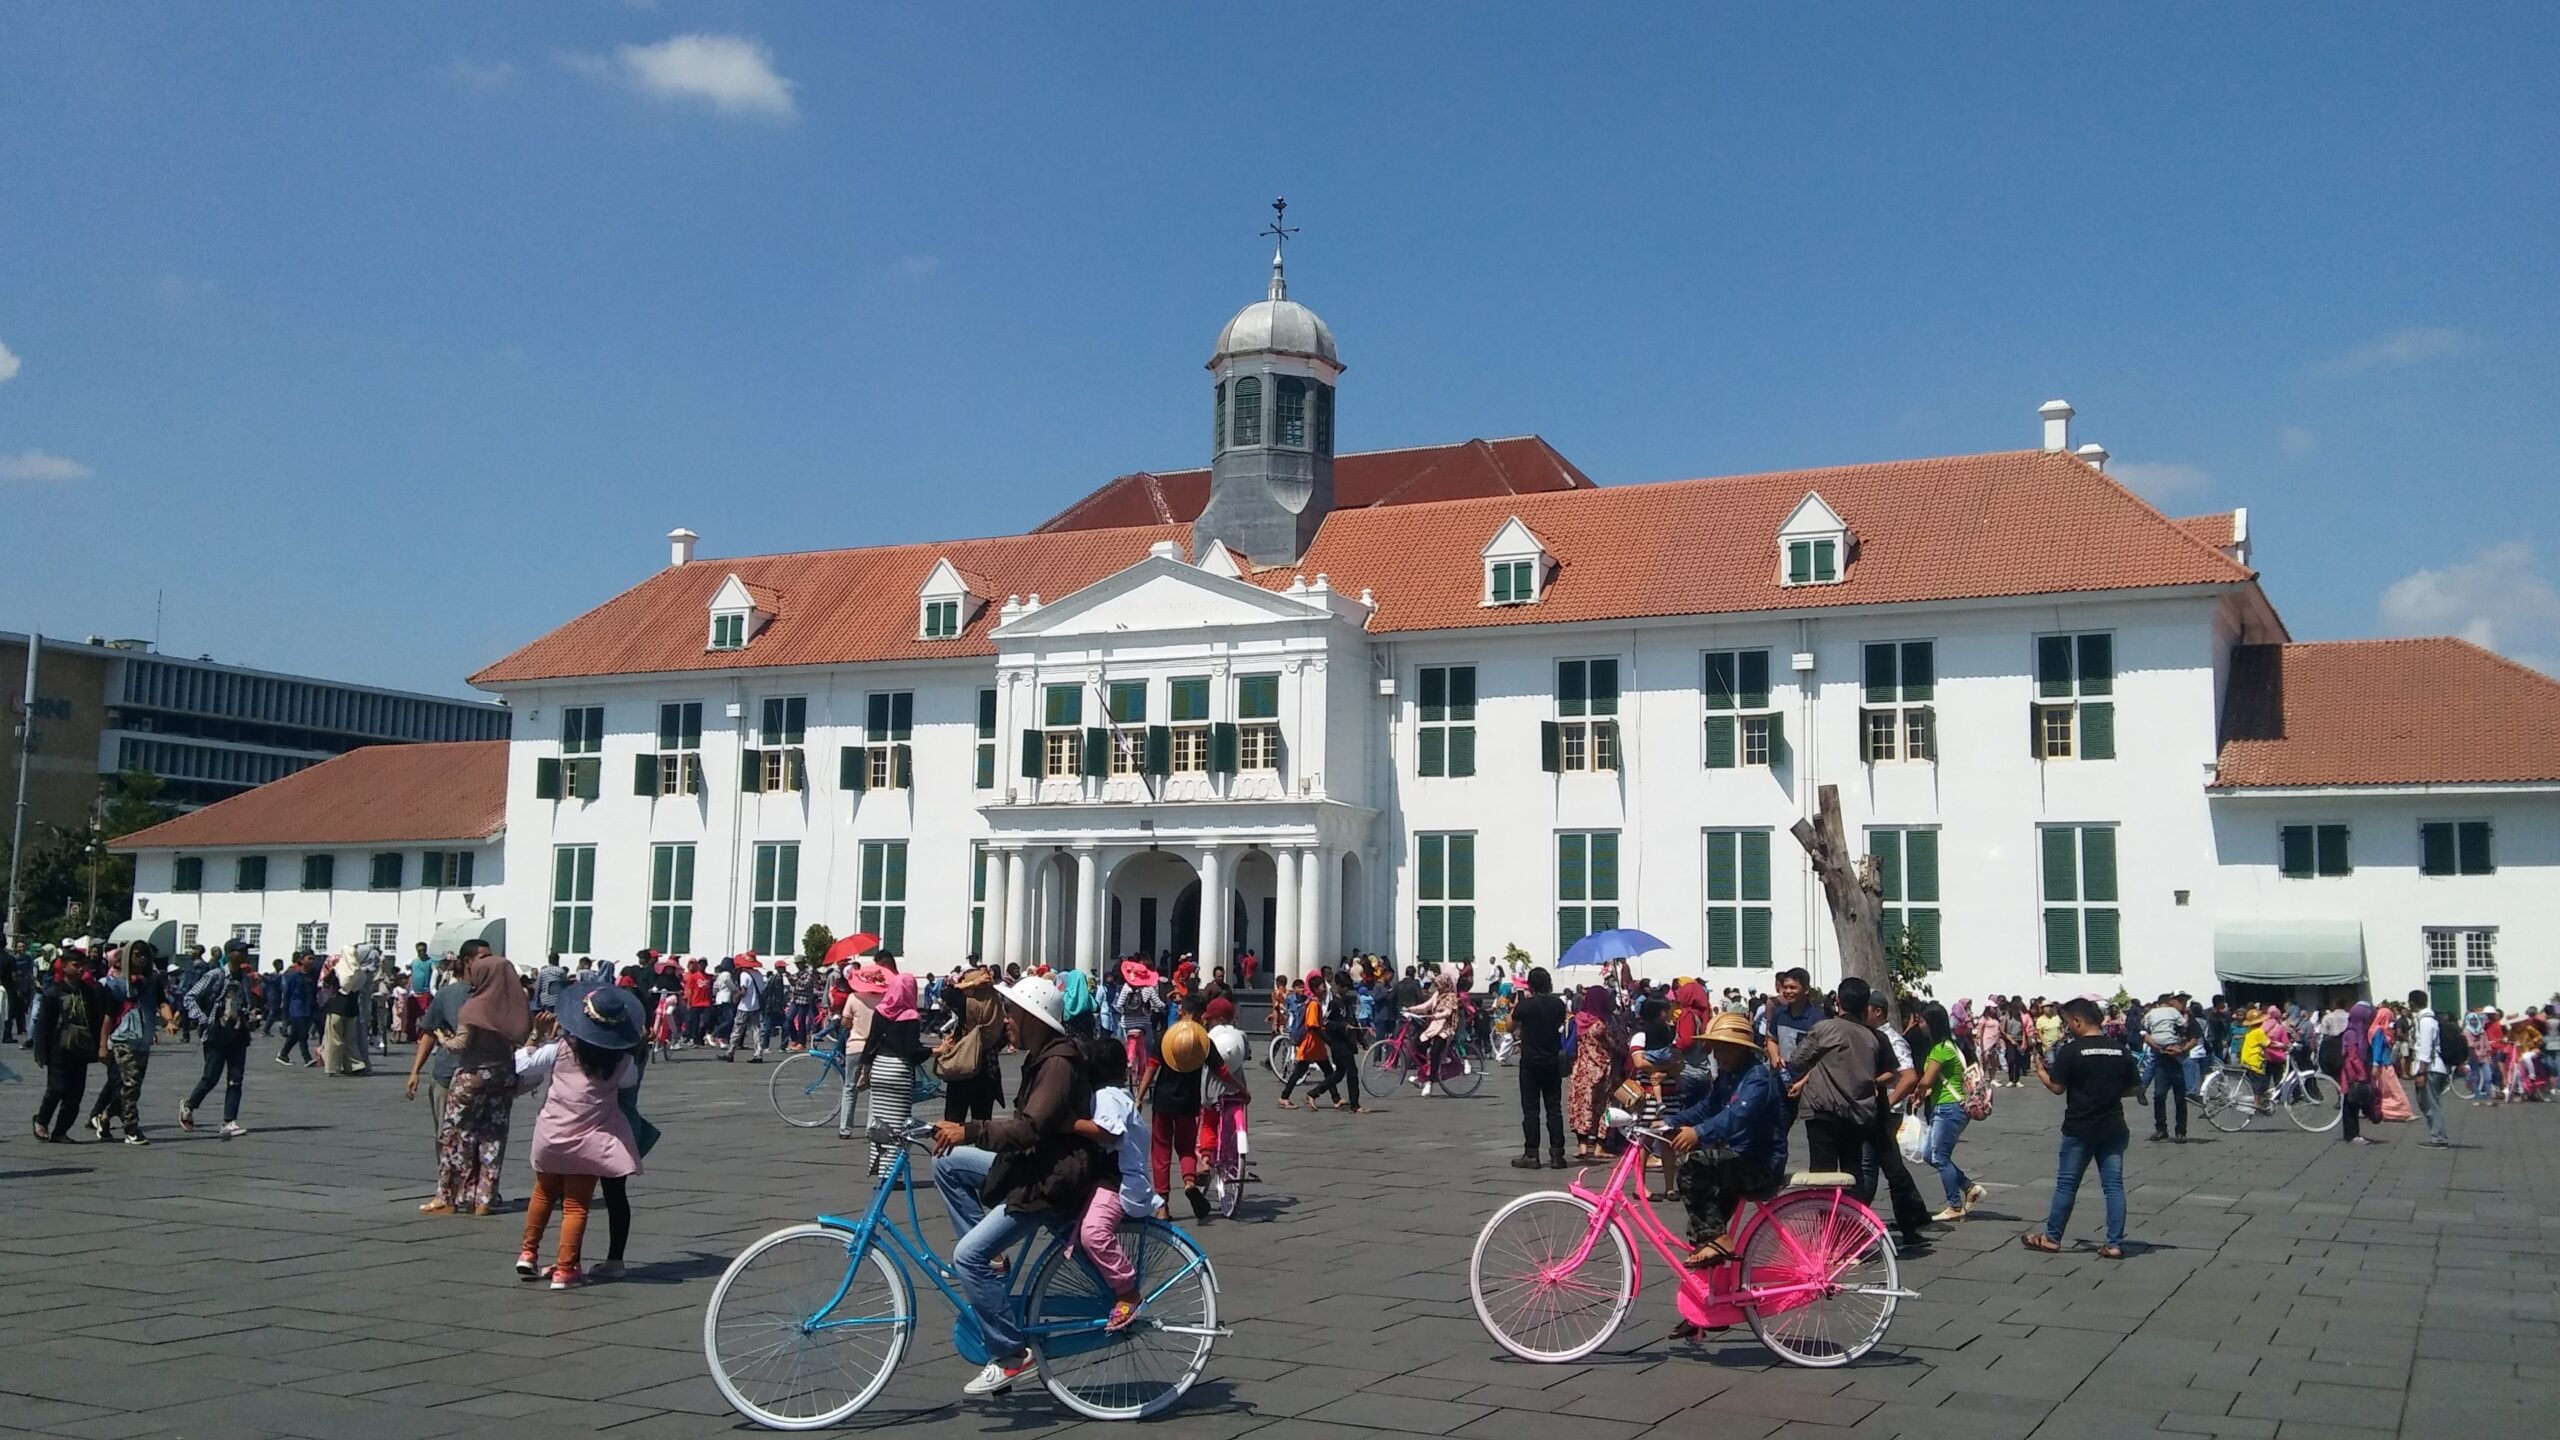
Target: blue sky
<point x="385" y="337"/>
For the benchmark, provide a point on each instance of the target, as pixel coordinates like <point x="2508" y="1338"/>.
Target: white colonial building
<point x="1438" y="702"/>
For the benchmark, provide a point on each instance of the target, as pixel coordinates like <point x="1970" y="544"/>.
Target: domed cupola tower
<point x="1271" y="472"/>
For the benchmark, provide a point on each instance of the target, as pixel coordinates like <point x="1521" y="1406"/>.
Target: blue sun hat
<point x="605" y="1016"/>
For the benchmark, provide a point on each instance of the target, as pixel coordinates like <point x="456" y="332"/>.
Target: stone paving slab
<point x="2281" y="1284"/>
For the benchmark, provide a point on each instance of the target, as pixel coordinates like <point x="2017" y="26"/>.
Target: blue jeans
<point x="2074" y="1161"/>
<point x="985" y="1235"/>
<point x="1946" y="1124"/>
<point x="2428" y="1091"/>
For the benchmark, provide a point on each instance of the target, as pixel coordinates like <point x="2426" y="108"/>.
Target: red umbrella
<point x="1137" y="973"/>
<point x="747" y="961"/>
<point x="861" y="942"/>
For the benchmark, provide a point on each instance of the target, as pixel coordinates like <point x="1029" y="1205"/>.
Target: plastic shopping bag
<point x="1914" y="1138"/>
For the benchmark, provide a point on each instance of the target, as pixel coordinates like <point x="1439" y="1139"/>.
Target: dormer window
<point x="945" y="603"/>
<point x="1813" y="544"/>
<point x="738" y="611"/>
<point x="729" y="632"/>
<point x="941" y="619"/>
<point x="1515" y="566"/>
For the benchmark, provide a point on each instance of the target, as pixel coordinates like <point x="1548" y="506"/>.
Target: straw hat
<point x="1728" y="1028"/>
<point x="1186" y="1046"/>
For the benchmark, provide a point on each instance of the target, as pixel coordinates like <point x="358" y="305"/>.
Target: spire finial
<point x="1279" y="231"/>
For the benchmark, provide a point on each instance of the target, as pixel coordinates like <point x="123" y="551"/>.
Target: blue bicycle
<point x="807" y="1326"/>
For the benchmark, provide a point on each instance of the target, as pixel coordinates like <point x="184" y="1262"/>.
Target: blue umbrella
<point x="1603" y="946"/>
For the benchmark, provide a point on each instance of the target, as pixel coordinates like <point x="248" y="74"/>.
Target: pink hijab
<point x="898" y="1002"/>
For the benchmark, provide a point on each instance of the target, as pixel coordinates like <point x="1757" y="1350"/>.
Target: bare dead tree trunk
<point x="1849" y="883"/>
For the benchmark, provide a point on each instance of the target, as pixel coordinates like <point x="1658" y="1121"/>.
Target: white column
<point x="1284" y="955"/>
<point x="1315" y="869"/>
<point x="991" y="942"/>
<point x="1213" y="909"/>
<point x="1088" y="912"/>
<point x="1017" y="909"/>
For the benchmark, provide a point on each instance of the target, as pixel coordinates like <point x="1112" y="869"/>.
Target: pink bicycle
<point x="1554" y="1273"/>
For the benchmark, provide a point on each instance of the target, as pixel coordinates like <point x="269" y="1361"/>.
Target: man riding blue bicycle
<point x="1004" y="1177"/>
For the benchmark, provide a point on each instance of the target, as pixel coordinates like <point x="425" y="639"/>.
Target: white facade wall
<point x="350" y="907"/>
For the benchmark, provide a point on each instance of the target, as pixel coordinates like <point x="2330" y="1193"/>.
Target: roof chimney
<point x="2094" y="453"/>
<point x="2057" y="426"/>
<point x="1165" y="550"/>
<point x="680" y="546"/>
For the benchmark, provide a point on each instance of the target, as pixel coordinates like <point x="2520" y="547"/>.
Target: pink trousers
<point x="1098" y="1236"/>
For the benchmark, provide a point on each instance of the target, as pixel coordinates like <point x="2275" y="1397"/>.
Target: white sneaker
<point x="232" y="1129"/>
<point x="997" y="1378"/>
<point x="1426" y="1087"/>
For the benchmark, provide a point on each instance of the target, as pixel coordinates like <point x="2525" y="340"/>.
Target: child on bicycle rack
<point x="1116" y="1128"/>
<point x="1732" y="1137"/>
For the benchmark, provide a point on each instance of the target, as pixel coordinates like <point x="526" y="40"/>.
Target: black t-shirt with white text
<point x="2096" y="1072"/>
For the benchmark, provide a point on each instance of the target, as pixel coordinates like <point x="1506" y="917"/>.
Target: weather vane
<point x="1278" y="230"/>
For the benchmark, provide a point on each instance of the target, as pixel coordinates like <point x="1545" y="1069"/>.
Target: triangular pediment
<point x="732" y="595"/>
<point x="1159" y="594"/>
<point x="1813" y="516"/>
<point x="1221" y="561"/>
<point x="945" y="582"/>
<point x="1514" y="541"/>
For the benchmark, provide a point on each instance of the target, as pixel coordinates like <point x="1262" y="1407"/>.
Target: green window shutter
<point x="874" y="863"/>
<point x="1462" y="692"/>
<point x="2035" y="729"/>
<point x="986" y="767"/>
<point x="1462" y="932"/>
<point x="1428" y="942"/>
<point x="2294" y="858"/>
<point x="2105" y="951"/>
<point x="1800" y="562"/>
<point x="1886" y="846"/>
<point x="662" y="873"/>
<point x="1188" y="698"/>
<point x="1920" y="866"/>
<point x="796" y="764"/>
<point x="2097" y="730"/>
<point x="1031" y="756"/>
<point x="1721" y="866"/>
<point x="1257" y="697"/>
<point x="2333" y="851"/>
<point x="1435" y="694"/>
<point x="1604" y="867"/>
<point x="1572" y="923"/>
<point x="546" y="779"/>
<point x="1434" y="756"/>
<point x="1777" y="737"/>
<point x="787" y="883"/>
<point x="684" y="872"/>
<point x="2053" y="666"/>
<point x="2435" y="848"/>
<point x="751" y="770"/>
<point x="1756" y="952"/>
<point x="902" y="715"/>
<point x="1573" y="688"/>
<point x="1755" y="864"/>
<point x="1159" y="750"/>
<point x="2061" y="863"/>
<point x="1826" y="561"/>
<point x="1754" y="666"/>
<point x="1604" y="687"/>
<point x="463" y="869"/>
<point x="767" y="860"/>
<point x="1889" y="926"/>
<point x="431" y="869"/>
<point x="1724" y="685"/>
<point x="586" y="778"/>
<point x="1431" y="861"/>
<point x="897" y="876"/>
<point x="1462" y="867"/>
<point x="2444" y="994"/>
<point x="1097" y="752"/>
<point x="1722" y="750"/>
<point x="1128" y="702"/>
<point x="564" y="873"/>
<point x="2098" y="864"/>
<point x="853" y="768"/>
<point x="986" y="714"/>
<point x="1462" y="750"/>
<point x="1724" y="947"/>
<point x="1223" y="748"/>
<point x="1501" y="583"/>
<point x="644" y="774"/>
<point x="1550" y="747"/>
<point x="2480" y="991"/>
<point x="1919" y="671"/>
<point x="902" y="766"/>
<point x="2062" y="941"/>
<point x="2474" y="848"/>
<point x="1573" y="867"/>
<point x="1924" y="924"/>
<point x="1604" y="917"/>
<point x="1884" y="685"/>
<point x="1065" y="706"/>
<point x="2097" y="655"/>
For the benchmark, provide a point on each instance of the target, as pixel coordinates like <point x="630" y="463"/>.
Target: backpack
<point x="1977" y="1093"/>
<point x="74" y="1032"/>
<point x="1301" y="1018"/>
<point x="2452" y="1046"/>
<point x="2333" y="1056"/>
<point x="1572" y="1041"/>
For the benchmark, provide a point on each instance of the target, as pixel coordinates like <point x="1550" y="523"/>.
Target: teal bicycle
<point x="807" y="1326"/>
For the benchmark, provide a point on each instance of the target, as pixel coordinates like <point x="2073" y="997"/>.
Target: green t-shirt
<point x="1950" y="1063"/>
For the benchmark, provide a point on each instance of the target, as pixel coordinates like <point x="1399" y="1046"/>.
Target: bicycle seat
<point x="1820" y="1180"/>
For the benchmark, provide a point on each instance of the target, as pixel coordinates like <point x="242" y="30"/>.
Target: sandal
<point x="2035" y="1240"/>
<point x="1124" y="1313"/>
<point x="1288" y="1104"/>
<point x="2110" y="1252"/>
<point x="1713" y="1253"/>
<point x="436" y="1207"/>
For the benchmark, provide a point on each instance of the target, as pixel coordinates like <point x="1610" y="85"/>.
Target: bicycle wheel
<point x="802" y="1332"/>
<point x="1381" y="1069"/>
<point x="2312" y="1102"/>
<point x="1144" y="1369"/>
<point x="805" y="1089"/>
<point x="1819" y="1284"/>
<point x="1465" y="1073"/>
<point x="1527" y="1301"/>
<point x="2461" y="1086"/>
<point x="1282" y="1053"/>
<point x="2228" y="1104"/>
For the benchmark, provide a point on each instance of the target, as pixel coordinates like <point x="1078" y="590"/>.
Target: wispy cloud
<point x="9" y="366"/>
<point x="2497" y="598"/>
<point x="2160" y="479"/>
<point x="479" y="74"/>
<point x="730" y="73"/>
<point x="2296" y="439"/>
<point x="2400" y="348"/>
<point x="37" y="467"/>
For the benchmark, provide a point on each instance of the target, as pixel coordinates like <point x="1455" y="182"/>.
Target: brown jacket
<point x="1840" y="1060"/>
<point x="1044" y="1163"/>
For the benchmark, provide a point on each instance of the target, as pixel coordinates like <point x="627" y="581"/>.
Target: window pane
<point x="2098" y="864"/>
<point x="1755" y="864"/>
<point x="1189" y="698"/>
<point x="2474" y="847"/>
<point x="2061" y="863"/>
<point x="1065" y="705"/>
<point x="1462" y="867"/>
<point x="1572" y="867"/>
<point x="1257" y="697"/>
<point x="1249" y="410"/>
<point x="1883" y="672"/>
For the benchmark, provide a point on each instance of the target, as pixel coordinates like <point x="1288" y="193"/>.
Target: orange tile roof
<point x="2214" y="529"/>
<point x="381" y="794"/>
<point x="2380" y="712"/>
<point x="1521" y="465"/>
<point x="832" y="606"/>
<point x="1970" y="526"/>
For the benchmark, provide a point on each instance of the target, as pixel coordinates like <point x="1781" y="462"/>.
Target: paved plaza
<point x="2281" y="1284"/>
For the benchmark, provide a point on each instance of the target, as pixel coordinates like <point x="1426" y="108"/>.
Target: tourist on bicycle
<point x="1048" y="1171"/>
<point x="1438" y="1018"/>
<point x="1731" y="1139"/>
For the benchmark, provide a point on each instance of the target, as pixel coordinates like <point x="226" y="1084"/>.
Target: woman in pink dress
<point x="583" y="1134"/>
<point x="2390" y="1099"/>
